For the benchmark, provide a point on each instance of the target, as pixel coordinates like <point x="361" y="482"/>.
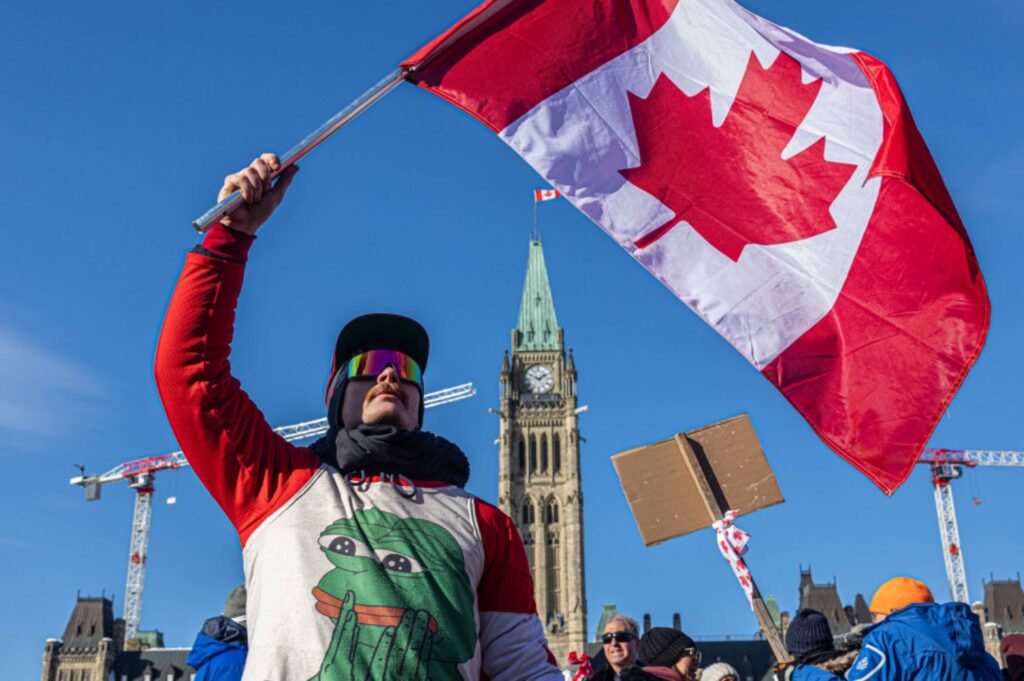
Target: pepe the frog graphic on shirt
<point x="399" y="598"/>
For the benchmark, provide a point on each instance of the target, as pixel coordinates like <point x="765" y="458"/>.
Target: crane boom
<point x="140" y="474"/>
<point x="947" y="465"/>
<point x="293" y="432"/>
<point x="973" y="457"/>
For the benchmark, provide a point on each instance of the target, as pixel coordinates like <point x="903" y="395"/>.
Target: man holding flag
<point x="777" y="186"/>
<point x="365" y="558"/>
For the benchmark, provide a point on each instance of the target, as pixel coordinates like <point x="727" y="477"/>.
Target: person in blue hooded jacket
<point x="222" y="645"/>
<point x="916" y="638"/>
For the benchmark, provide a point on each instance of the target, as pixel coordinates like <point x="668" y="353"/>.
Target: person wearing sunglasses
<point x="620" y="644"/>
<point x="364" y="555"/>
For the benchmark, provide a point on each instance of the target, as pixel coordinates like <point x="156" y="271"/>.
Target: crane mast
<point x="141" y="474"/>
<point x="947" y="465"/>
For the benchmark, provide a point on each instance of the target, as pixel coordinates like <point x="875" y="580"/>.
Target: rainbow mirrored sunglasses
<point x="373" y="362"/>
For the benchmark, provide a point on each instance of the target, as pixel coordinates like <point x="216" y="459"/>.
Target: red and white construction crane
<point x="947" y="465"/>
<point x="140" y="474"/>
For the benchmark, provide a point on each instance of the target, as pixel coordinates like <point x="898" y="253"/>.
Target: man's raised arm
<point x="245" y="465"/>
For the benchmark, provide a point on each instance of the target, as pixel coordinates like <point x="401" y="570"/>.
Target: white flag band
<point x="545" y="195"/>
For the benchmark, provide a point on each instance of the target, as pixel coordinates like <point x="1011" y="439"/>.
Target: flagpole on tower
<point x="536" y="230"/>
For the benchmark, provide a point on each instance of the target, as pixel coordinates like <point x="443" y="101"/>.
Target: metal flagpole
<point x="308" y="143"/>
<point x="535" y="232"/>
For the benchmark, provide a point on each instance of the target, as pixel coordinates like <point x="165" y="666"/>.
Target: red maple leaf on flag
<point x="730" y="183"/>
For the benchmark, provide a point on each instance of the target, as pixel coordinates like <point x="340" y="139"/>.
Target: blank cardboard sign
<point x="684" y="484"/>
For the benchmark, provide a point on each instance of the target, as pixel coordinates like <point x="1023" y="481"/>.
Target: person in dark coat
<point x="809" y="641"/>
<point x="1013" y="651"/>
<point x="220" y="648"/>
<point x="670" y="654"/>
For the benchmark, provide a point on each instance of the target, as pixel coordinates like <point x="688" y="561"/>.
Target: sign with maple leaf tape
<point x="699" y="479"/>
<point x="777" y="186"/>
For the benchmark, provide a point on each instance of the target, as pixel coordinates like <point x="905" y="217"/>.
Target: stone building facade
<point x="539" y="460"/>
<point x="93" y="648"/>
<point x="1004" y="604"/>
<point x="88" y="650"/>
<point x="825" y="599"/>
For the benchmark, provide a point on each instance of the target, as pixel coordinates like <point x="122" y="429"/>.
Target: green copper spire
<point x="538" y="327"/>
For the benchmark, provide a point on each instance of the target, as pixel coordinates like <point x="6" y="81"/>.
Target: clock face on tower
<point x="539" y="379"/>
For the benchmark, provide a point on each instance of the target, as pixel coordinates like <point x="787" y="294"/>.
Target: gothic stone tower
<point x="539" y="486"/>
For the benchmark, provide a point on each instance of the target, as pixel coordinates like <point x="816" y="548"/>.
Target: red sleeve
<point x="227" y="243"/>
<point x="506" y="584"/>
<point x="512" y="642"/>
<point x="248" y="468"/>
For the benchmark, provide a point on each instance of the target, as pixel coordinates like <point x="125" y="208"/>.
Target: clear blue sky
<point x="119" y="120"/>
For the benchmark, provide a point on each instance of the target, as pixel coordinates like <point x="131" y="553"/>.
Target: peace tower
<point x="539" y="468"/>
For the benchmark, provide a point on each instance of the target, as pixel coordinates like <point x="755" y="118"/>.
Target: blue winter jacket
<point x="219" y="650"/>
<point x="926" y="641"/>
<point x="806" y="672"/>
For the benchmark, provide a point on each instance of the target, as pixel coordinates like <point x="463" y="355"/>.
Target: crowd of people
<point x="365" y="557"/>
<point x="912" y="638"/>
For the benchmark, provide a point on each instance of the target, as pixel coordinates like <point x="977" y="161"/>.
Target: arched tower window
<point x="522" y="456"/>
<point x="551" y="512"/>
<point x="533" y="454"/>
<point x="556" y="453"/>
<point x="528" y="516"/>
<point x="543" y="453"/>
<point x="554" y="559"/>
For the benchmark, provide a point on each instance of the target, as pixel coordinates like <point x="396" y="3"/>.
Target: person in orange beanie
<point x="916" y="638"/>
<point x="896" y="594"/>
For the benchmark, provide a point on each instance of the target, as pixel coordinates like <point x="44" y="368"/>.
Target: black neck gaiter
<point x="416" y="454"/>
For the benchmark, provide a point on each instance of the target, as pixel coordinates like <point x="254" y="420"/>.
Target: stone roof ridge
<point x="825" y="599"/>
<point x="162" y="663"/>
<point x="538" y="326"/>
<point x="91" y="621"/>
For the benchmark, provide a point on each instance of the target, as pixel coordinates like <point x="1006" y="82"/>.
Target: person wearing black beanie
<point x="671" y="648"/>
<point x="809" y="641"/>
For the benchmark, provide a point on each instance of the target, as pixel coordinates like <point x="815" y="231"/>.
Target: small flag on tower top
<point x="545" y="195"/>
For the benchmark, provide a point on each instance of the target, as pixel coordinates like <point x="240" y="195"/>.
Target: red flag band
<point x="545" y="195"/>
<point x="777" y="186"/>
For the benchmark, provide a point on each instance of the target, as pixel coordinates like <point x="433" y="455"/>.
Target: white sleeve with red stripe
<point x="512" y="641"/>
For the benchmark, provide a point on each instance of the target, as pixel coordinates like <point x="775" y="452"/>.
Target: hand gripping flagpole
<point x="308" y="143"/>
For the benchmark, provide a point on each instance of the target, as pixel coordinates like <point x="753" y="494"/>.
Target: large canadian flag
<point x="777" y="186"/>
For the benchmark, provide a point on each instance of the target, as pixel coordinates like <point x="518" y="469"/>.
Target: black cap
<point x="808" y="633"/>
<point x="382" y="331"/>
<point x="664" y="646"/>
<point x="377" y="331"/>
